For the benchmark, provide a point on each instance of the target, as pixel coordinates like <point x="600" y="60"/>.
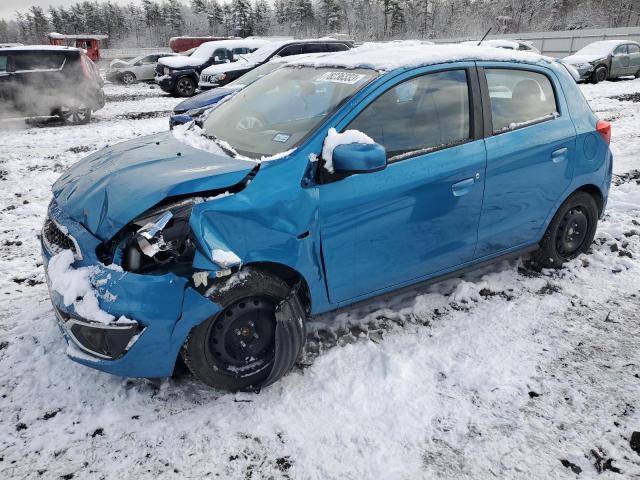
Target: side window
<point x="3" y="63"/>
<point x="37" y="61"/>
<point x="336" y="47"/>
<point x="290" y="50"/>
<point x="421" y="114"/>
<point x="314" y="48"/>
<point x="621" y="50"/>
<point x="519" y="97"/>
<point x="633" y="48"/>
<point x="222" y="54"/>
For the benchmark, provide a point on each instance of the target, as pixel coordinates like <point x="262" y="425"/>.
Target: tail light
<point x="604" y="129"/>
<point x="86" y="68"/>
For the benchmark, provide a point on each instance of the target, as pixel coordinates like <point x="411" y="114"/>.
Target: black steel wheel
<point x="570" y="232"/>
<point x="237" y="348"/>
<point x="242" y="337"/>
<point x="185" y="87"/>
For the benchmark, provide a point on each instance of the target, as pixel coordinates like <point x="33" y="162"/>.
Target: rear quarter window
<point x="519" y="98"/>
<point x="3" y="63"/>
<point x="38" y="61"/>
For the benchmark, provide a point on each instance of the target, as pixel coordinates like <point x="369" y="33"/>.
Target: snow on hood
<point x="118" y="63"/>
<point x="109" y="188"/>
<point x="411" y="54"/>
<point x="578" y="59"/>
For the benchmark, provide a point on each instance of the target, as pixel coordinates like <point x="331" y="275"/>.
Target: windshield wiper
<point x="232" y="153"/>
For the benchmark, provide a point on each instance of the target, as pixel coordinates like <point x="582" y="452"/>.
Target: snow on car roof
<point x="410" y="54"/>
<point x="494" y="42"/>
<point x="29" y="48"/>
<point x="207" y="48"/>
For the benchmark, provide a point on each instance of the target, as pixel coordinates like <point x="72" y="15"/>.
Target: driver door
<point x="420" y="215"/>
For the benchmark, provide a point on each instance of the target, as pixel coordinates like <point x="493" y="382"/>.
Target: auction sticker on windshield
<point x="340" y="77"/>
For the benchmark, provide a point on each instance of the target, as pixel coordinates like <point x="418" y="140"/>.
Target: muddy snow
<point x="505" y="373"/>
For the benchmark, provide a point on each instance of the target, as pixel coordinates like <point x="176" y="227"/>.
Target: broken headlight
<point x="160" y="236"/>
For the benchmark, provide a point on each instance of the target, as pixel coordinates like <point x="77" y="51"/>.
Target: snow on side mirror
<point x="352" y="152"/>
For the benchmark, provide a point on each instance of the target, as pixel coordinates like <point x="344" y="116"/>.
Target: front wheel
<point x="236" y="348"/>
<point x="128" y="78"/>
<point x="600" y="74"/>
<point x="570" y="232"/>
<point x="185" y="87"/>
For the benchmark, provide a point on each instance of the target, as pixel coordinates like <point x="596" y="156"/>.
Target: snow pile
<point x="411" y="54"/>
<point x="333" y="139"/>
<point x="225" y="258"/>
<point x="74" y="284"/>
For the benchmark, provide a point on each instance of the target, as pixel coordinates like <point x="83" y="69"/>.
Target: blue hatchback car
<point x="322" y="184"/>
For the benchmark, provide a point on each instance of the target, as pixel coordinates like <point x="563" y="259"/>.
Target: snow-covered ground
<point x="505" y="373"/>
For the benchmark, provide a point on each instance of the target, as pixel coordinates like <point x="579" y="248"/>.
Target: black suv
<point x="49" y="80"/>
<point x="220" y="75"/>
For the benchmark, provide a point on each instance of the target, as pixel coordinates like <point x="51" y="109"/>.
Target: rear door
<point x="634" y="58"/>
<point x="620" y="64"/>
<point x="419" y="216"/>
<point x="530" y="155"/>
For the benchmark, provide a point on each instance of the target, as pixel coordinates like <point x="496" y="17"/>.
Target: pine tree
<point x="329" y="12"/>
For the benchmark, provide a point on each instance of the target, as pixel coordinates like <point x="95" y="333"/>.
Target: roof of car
<point x="411" y="54"/>
<point x="42" y="48"/>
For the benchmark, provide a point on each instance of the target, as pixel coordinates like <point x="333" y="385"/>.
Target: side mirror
<point x="359" y="158"/>
<point x="137" y="64"/>
<point x="216" y="58"/>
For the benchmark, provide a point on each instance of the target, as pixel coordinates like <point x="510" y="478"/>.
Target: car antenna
<point x="485" y="36"/>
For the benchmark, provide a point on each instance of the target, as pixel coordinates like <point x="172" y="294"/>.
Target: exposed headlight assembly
<point x="221" y="76"/>
<point x="167" y="71"/>
<point x="162" y="236"/>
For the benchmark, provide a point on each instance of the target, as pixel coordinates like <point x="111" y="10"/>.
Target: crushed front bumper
<point x="162" y="310"/>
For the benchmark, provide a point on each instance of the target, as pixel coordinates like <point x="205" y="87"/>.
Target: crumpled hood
<point x="578" y="59"/>
<point x="180" y="61"/>
<point x="117" y="63"/>
<point x="109" y="188"/>
<point x="210" y="97"/>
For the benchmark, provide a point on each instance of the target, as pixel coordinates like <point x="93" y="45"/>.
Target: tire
<point x="600" y="74"/>
<point x="128" y="78"/>
<point x="184" y="87"/>
<point x="75" y="112"/>
<point x="214" y="351"/>
<point x="570" y="232"/>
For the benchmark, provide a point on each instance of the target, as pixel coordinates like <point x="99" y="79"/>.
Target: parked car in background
<point x="324" y="183"/>
<point x="522" y="45"/>
<point x="220" y="75"/>
<point x="606" y="59"/>
<point x="179" y="75"/>
<point x="139" y="69"/>
<point x="49" y="80"/>
<point x="193" y="108"/>
<point x="183" y="44"/>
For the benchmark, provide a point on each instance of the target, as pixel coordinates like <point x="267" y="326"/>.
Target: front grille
<point x="205" y="78"/>
<point x="57" y="240"/>
<point x="159" y="68"/>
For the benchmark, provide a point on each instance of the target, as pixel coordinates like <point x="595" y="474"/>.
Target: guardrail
<point x="562" y="43"/>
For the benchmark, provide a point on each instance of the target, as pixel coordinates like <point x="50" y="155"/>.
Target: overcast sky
<point x="9" y="7"/>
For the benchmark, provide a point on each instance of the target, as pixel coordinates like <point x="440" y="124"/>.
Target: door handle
<point x="559" y="155"/>
<point x="462" y="187"/>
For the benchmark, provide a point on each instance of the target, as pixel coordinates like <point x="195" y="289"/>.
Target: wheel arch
<point x="290" y="275"/>
<point x="595" y="192"/>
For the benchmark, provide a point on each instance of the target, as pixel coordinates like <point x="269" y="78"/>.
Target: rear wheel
<point x="185" y="87"/>
<point x="128" y="78"/>
<point x="570" y="233"/>
<point x="235" y="349"/>
<point x="75" y="112"/>
<point x="600" y="74"/>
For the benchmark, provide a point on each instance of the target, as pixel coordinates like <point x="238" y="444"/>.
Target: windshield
<point x="262" y="53"/>
<point x="277" y="112"/>
<point x="258" y="72"/>
<point x="597" y="48"/>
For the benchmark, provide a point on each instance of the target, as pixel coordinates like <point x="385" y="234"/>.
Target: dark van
<point x="49" y="80"/>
